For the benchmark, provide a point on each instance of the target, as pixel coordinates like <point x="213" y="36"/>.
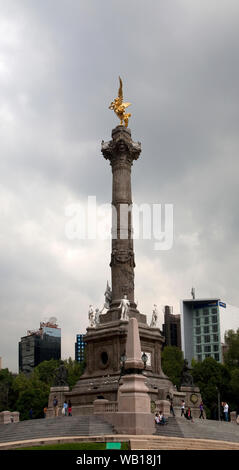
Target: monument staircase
<point x="54" y="427"/>
<point x="177" y="434"/>
<point x="199" y="429"/>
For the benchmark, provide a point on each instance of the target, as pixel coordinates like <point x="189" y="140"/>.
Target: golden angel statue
<point x="119" y="107"/>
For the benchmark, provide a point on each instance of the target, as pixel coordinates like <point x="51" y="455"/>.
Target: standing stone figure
<point x="154" y="317"/>
<point x="97" y="315"/>
<point x="91" y="316"/>
<point x="124" y="306"/>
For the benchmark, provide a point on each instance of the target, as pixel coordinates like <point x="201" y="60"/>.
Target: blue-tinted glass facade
<point x="79" y="348"/>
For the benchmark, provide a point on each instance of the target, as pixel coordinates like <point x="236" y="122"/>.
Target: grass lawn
<point x="75" y="446"/>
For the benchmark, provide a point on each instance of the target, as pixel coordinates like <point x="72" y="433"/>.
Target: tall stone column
<point x="121" y="151"/>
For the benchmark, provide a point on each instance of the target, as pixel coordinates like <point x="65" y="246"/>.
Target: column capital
<point x="121" y="149"/>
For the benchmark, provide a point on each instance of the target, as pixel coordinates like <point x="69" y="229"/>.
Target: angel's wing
<point x="120" y="92"/>
<point x="126" y="104"/>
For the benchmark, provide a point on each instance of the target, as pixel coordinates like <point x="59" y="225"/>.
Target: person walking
<point x="225" y="411"/>
<point x="171" y="407"/>
<point x="55" y="406"/>
<point x="183" y="408"/>
<point x="201" y="410"/>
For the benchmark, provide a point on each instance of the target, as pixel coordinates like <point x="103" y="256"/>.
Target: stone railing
<point x="105" y="406"/>
<point x="7" y="417"/>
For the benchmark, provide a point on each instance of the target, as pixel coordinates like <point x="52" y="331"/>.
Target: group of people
<point x="159" y="418"/>
<point x="66" y="408"/>
<point x="186" y="412"/>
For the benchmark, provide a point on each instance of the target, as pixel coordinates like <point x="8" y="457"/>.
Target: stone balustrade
<point x="7" y="417"/>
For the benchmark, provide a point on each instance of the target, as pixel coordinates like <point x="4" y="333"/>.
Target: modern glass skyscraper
<point x="79" y="348"/>
<point x="38" y="346"/>
<point x="201" y="329"/>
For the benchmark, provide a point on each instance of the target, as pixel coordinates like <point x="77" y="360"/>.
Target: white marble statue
<point x="91" y="316"/>
<point x="98" y="312"/>
<point x="124" y="306"/>
<point x="154" y="317"/>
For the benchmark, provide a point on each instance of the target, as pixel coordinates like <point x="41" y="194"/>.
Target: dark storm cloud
<point x="59" y="67"/>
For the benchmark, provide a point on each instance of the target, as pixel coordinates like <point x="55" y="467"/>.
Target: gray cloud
<point x="59" y="67"/>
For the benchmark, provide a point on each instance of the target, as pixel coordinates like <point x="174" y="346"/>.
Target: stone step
<point x="181" y="444"/>
<point x="53" y="427"/>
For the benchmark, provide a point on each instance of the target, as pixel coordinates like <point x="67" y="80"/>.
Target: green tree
<point x="7" y="394"/>
<point x="45" y="371"/>
<point x="172" y="364"/>
<point x="232" y="354"/>
<point x="74" y="370"/>
<point x="31" y="393"/>
<point x="211" y="377"/>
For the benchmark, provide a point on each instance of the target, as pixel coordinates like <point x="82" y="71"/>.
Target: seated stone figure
<point x="186" y="377"/>
<point x="60" y="375"/>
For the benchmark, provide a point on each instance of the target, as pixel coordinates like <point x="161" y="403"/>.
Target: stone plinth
<point x="133" y="395"/>
<point x="60" y="394"/>
<point x="233" y="416"/>
<point x="192" y="399"/>
<point x="163" y="406"/>
<point x="134" y="423"/>
<point x="134" y="406"/>
<point x="7" y="417"/>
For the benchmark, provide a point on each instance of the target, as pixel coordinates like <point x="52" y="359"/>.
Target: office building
<point x="40" y="345"/>
<point x="171" y="328"/>
<point x="79" y="348"/>
<point x="203" y="326"/>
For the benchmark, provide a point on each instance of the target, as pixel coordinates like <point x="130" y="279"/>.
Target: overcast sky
<point x="59" y="67"/>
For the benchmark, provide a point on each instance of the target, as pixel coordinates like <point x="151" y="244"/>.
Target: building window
<point x="214" y="319"/>
<point x="214" y="328"/>
<point x="199" y="358"/>
<point x="198" y="321"/>
<point x="198" y="331"/>
<point x="197" y="313"/>
<point x="205" y="311"/>
<point x="207" y="355"/>
<point x="198" y="349"/>
<point x="215" y="338"/>
<point x="216" y="357"/>
<point x="198" y="339"/>
<point x="214" y="310"/>
<point x="206" y="329"/>
<point x="206" y="320"/>
<point x="207" y="348"/>
<point x="215" y="347"/>
<point x="207" y="339"/>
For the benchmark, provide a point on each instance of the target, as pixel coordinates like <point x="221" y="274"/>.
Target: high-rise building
<point x="203" y="326"/>
<point x="79" y="348"/>
<point x="171" y="328"/>
<point x="40" y="345"/>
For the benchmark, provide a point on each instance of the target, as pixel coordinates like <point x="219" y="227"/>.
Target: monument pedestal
<point x="134" y="405"/>
<point x="192" y="399"/>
